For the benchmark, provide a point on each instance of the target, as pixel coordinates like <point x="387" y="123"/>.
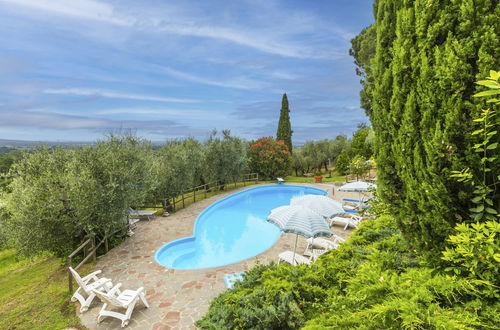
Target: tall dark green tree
<point x="428" y="55"/>
<point x="284" y="128"/>
<point x="363" y="50"/>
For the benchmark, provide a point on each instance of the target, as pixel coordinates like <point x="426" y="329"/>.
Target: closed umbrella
<point x="300" y="220"/>
<point x="323" y="205"/>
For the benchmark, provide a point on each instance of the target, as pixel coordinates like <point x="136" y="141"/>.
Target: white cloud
<point x="183" y="113"/>
<point x="268" y="40"/>
<point x="85" y="9"/>
<point x="238" y="83"/>
<point x="115" y="95"/>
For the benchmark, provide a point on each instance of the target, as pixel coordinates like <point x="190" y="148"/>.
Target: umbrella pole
<point x="295" y="248"/>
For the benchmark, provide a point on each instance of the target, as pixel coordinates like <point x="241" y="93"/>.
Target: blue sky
<point x="75" y="70"/>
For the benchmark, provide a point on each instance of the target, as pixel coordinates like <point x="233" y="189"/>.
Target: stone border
<point x="177" y="298"/>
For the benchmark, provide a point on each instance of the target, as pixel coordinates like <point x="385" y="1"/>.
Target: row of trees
<point x="343" y="153"/>
<point x="58" y="196"/>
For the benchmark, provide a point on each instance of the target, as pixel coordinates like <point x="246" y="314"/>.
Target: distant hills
<point x="20" y="144"/>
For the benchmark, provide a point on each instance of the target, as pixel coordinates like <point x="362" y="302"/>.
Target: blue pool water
<point x="232" y="229"/>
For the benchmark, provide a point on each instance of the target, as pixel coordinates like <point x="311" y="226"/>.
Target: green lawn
<point x="200" y="195"/>
<point x="34" y="295"/>
<point x="311" y="180"/>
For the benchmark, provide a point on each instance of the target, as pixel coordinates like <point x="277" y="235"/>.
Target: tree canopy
<point x="268" y="157"/>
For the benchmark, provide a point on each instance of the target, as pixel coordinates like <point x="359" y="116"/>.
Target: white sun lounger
<point x="287" y="256"/>
<point x="352" y="221"/>
<point x="123" y="299"/>
<point x="326" y="244"/>
<point x="140" y="213"/>
<point x="86" y="285"/>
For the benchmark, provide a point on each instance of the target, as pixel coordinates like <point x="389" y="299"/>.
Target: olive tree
<point x="60" y="196"/>
<point x="177" y="167"/>
<point x="225" y="158"/>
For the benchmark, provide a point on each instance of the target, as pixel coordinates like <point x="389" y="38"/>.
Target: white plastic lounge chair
<point x="287" y="256"/>
<point x="140" y="213"/>
<point x="352" y="221"/>
<point x="123" y="299"/>
<point x="326" y="244"/>
<point x="86" y="285"/>
<point x="132" y="223"/>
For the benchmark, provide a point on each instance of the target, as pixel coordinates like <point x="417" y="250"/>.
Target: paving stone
<point x="177" y="297"/>
<point x="189" y="284"/>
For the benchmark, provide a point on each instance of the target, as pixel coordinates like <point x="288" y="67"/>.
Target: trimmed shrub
<point x="268" y="157"/>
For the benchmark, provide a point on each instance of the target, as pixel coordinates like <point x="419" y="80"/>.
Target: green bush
<point x="475" y="254"/>
<point x="372" y="281"/>
<point x="342" y="163"/>
<point x="359" y="166"/>
<point x="419" y="89"/>
<point x="60" y="196"/>
<point x="268" y="157"/>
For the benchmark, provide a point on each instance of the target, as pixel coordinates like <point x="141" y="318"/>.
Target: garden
<point x="429" y="260"/>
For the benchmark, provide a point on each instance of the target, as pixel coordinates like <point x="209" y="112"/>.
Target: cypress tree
<point x="284" y="128"/>
<point x="428" y="55"/>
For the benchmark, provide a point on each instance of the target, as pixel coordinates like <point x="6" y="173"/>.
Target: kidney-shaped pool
<point x="231" y="229"/>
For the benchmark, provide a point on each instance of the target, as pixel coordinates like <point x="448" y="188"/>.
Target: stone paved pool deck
<point x="177" y="298"/>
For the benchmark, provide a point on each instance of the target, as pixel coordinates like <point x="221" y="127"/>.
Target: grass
<point x="312" y="180"/>
<point x="34" y="294"/>
<point x="200" y="194"/>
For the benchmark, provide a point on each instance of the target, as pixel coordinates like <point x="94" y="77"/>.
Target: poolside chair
<point x="280" y="180"/>
<point x="132" y="223"/>
<point x="352" y="221"/>
<point x="86" y="285"/>
<point x="140" y="213"/>
<point x="325" y="244"/>
<point x="287" y="256"/>
<point x="123" y="299"/>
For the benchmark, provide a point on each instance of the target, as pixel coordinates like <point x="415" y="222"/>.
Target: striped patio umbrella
<point x="300" y="220"/>
<point x="323" y="205"/>
<point x="358" y="186"/>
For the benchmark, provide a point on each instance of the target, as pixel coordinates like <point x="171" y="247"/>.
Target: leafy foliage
<point x="343" y="162"/>
<point x="486" y="180"/>
<point x="59" y="196"/>
<point x="7" y="158"/>
<point x="475" y="247"/>
<point x="359" y="166"/>
<point x="268" y="157"/>
<point x="363" y="50"/>
<point x="315" y="155"/>
<point x="421" y="87"/>
<point x="224" y="159"/>
<point x="284" y="132"/>
<point x="177" y="167"/>
<point x="372" y="281"/>
<point x="475" y="254"/>
<point x="362" y="142"/>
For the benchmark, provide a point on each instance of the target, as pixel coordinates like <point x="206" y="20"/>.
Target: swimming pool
<point x="232" y="229"/>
